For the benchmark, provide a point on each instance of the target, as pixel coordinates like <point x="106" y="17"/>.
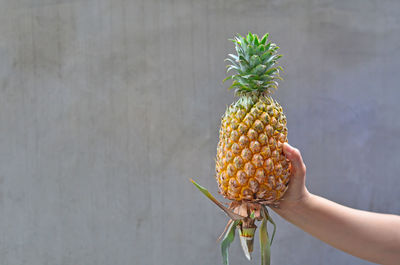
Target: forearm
<point x="371" y="236"/>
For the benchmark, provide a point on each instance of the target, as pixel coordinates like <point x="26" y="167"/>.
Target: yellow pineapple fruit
<point x="251" y="169"/>
<point x="250" y="164"/>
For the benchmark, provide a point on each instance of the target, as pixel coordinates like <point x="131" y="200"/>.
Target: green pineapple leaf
<point x="252" y="215"/>
<point x="256" y="42"/>
<point x="264" y="39"/>
<point x="226" y="79"/>
<point x="230" y="213"/>
<point x="274" y="225"/>
<point x="227" y="240"/>
<point x="234" y="57"/>
<point x="265" y="244"/>
<point x="255" y="65"/>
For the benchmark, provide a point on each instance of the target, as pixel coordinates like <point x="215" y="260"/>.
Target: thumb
<point x="293" y="154"/>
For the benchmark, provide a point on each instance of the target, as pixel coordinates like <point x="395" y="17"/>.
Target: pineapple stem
<point x="245" y="221"/>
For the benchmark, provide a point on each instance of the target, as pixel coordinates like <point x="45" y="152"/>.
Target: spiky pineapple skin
<point x="250" y="164"/>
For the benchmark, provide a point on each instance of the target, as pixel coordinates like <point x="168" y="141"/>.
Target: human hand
<point x="297" y="191"/>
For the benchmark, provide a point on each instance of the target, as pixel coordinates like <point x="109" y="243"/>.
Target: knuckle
<point x="304" y="168"/>
<point x="296" y="152"/>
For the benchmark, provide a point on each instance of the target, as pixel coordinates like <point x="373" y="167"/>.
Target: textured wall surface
<point x="107" y="107"/>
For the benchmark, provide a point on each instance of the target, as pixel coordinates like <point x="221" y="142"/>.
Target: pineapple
<point x="251" y="169"/>
<point x="250" y="164"/>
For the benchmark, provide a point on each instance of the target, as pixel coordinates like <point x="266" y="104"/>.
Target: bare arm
<point x="371" y="236"/>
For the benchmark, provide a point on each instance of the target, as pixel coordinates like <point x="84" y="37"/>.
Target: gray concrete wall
<point x="107" y="107"/>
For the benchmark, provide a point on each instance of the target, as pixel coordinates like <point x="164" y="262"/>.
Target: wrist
<point x="294" y="206"/>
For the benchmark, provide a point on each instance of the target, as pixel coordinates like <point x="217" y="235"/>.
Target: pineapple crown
<point x="255" y="65"/>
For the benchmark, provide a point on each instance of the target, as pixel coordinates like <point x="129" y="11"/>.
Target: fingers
<point x="295" y="158"/>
